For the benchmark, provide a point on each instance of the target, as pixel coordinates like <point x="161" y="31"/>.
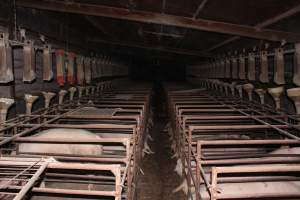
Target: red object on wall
<point x="71" y="75"/>
<point x="60" y="80"/>
<point x="60" y="62"/>
<point x="71" y="80"/>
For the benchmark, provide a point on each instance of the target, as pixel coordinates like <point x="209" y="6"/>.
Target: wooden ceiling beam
<point x="263" y="24"/>
<point x="200" y="8"/>
<point x="157" y="18"/>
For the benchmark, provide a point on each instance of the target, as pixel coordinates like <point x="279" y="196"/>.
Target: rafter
<point x="263" y="24"/>
<point x="200" y="8"/>
<point x="157" y="18"/>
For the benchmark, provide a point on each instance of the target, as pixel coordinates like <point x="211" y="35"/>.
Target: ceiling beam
<point x="172" y="35"/>
<point x="263" y="24"/>
<point x="195" y="15"/>
<point x="152" y="48"/>
<point x="200" y="8"/>
<point x="164" y="19"/>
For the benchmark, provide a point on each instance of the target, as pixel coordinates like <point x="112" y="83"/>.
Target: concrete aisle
<point x="159" y="177"/>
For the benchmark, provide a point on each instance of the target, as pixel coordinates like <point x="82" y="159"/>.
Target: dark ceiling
<point x="133" y="38"/>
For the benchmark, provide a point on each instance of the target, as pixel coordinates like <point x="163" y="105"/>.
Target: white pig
<point x="63" y="133"/>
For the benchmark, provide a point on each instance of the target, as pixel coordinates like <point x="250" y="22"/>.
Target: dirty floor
<point x="159" y="178"/>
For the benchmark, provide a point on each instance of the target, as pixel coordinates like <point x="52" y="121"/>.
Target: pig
<point x="108" y="112"/>
<point x="71" y="149"/>
<point x="66" y="149"/>
<point x="265" y="187"/>
<point x="90" y="110"/>
<point x="286" y="150"/>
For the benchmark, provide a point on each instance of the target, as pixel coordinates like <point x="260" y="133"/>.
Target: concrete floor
<point x="159" y="178"/>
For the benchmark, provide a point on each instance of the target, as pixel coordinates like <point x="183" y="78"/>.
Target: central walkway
<point x="159" y="178"/>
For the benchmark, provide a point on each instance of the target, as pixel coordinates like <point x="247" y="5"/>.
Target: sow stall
<point x="229" y="147"/>
<point x="119" y="126"/>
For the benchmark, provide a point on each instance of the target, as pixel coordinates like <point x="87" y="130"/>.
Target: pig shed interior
<point x="149" y="99"/>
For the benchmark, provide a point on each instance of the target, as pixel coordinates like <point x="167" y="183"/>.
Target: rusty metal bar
<point x="31" y="181"/>
<point x="184" y="121"/>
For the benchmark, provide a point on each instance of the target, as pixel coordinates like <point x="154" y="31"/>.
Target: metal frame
<point x="202" y="118"/>
<point x="129" y="119"/>
<point x="37" y="172"/>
